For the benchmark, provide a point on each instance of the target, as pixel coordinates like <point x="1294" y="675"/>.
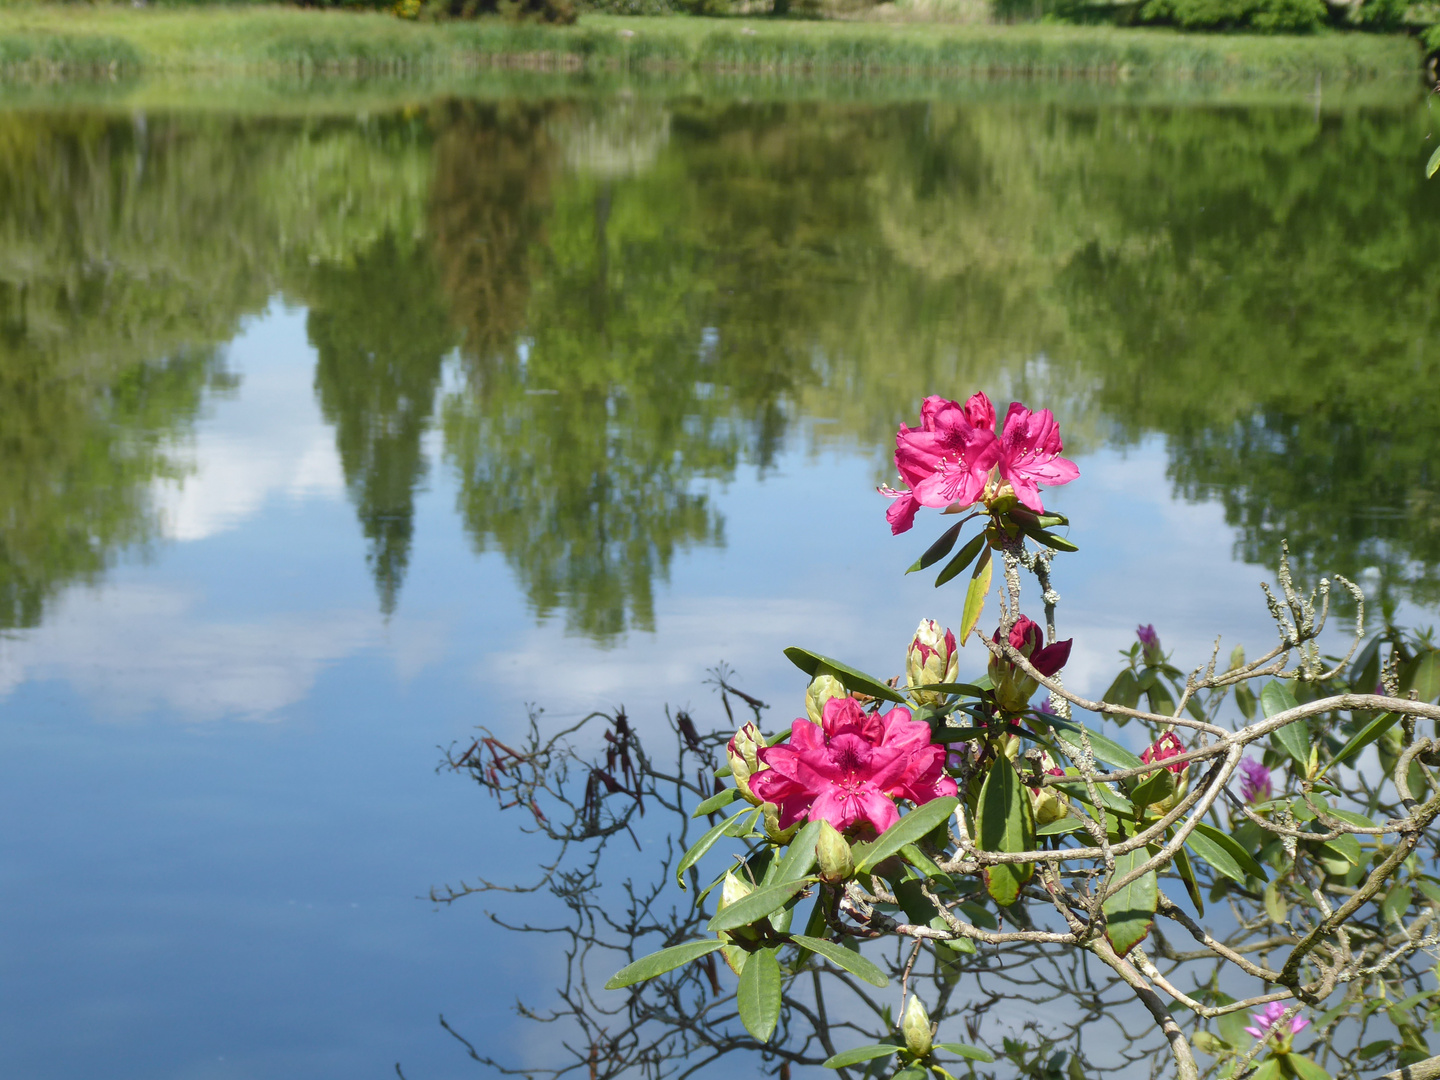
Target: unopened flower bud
<point x="931" y="659"/>
<point x="1150" y="650"/>
<point x="733" y="890"/>
<point x="776" y="835"/>
<point x="741" y="752"/>
<point x="833" y="855"/>
<point x="1049" y="804"/>
<point x="1014" y="687"/>
<point x="916" y="1027"/>
<point x="1163" y="749"/>
<point x="822" y="688"/>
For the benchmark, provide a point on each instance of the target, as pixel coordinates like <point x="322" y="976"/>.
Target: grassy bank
<point x="55" y="41"/>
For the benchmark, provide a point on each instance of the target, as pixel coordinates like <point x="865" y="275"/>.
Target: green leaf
<point x="1049" y="539"/>
<point x="647" y="967"/>
<point x="1362" y="680"/>
<point x="958" y="734"/>
<point x="756" y="905"/>
<point x="975" y="595"/>
<point x="1004" y="821"/>
<point x="974" y="1053"/>
<point x="939" y="549"/>
<point x="1346" y="847"/>
<point x="1397" y="903"/>
<point x="1130" y="912"/>
<point x="1304" y="1068"/>
<point x="859" y="1054"/>
<point x="842" y="957"/>
<point x="1245" y="699"/>
<point x="914" y="1072"/>
<point x="1422" y="675"/>
<point x="1269" y="1070"/>
<point x="912" y="854"/>
<point x="758" y="998"/>
<point x="800" y="859"/>
<point x="961" y="561"/>
<point x="1068" y="732"/>
<point x="810" y="662"/>
<point x="1364" y="737"/>
<point x="1156" y="787"/>
<point x="1187" y="875"/>
<point x="907" y="830"/>
<point x="715" y="802"/>
<point x="1222" y="852"/>
<point x="731" y="826"/>
<point x="1433" y="164"/>
<point x="1233" y="1024"/>
<point x="1294" y="738"/>
<point x="1275" y="906"/>
<point x="1059" y="827"/>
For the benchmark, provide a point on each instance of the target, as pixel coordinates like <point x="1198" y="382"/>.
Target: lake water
<point x="326" y="437"/>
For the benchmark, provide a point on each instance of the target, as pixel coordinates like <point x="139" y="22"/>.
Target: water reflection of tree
<point x="106" y="348"/>
<point x="382" y="333"/>
<point x="681" y="1023"/>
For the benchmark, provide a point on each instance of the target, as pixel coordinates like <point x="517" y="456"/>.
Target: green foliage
<point x="1262" y="16"/>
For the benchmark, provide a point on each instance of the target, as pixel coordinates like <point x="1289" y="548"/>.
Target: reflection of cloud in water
<point x="267" y="439"/>
<point x="142" y="649"/>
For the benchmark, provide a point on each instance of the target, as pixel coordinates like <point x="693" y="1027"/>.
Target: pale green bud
<point x="733" y="890"/>
<point x="833" y="855"/>
<point x="776" y="835"/>
<point x="1049" y="803"/>
<point x="822" y="688"/>
<point x="931" y="659"/>
<point x="741" y="753"/>
<point x="916" y="1027"/>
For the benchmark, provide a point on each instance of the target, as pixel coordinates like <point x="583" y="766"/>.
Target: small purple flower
<point x="1150" y="645"/>
<point x="1255" y="782"/>
<point x="1267" y="1019"/>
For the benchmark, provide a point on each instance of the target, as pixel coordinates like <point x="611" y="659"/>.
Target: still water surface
<point x="327" y="438"/>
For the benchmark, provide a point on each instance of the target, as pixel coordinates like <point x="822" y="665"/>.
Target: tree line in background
<point x="642" y="298"/>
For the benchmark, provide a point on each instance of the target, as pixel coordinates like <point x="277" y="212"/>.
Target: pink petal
<point x="901" y="514"/>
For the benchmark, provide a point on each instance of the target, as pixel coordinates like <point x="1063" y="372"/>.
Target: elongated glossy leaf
<point x="1346" y="847"/>
<point x="1224" y="853"/>
<point x="1187" y="875"/>
<point x="974" y="1053"/>
<point x="938" y="550"/>
<point x="1433" y="164"/>
<point x="859" y="1054"/>
<point x="1112" y="753"/>
<point x="962" y="561"/>
<point x="755" y="906"/>
<point x="1364" y="737"/>
<point x="718" y="801"/>
<point x="1049" y="539"/>
<point x="1292" y="739"/>
<point x="1130" y="913"/>
<point x="1397" y="903"/>
<point x="800" y="859"/>
<point x="810" y="662"/>
<point x="1005" y="822"/>
<point x="1059" y="827"/>
<point x="976" y="594"/>
<point x="1156" y="787"/>
<point x="912" y="854"/>
<point x="658" y="963"/>
<point x="1269" y="1070"/>
<point x="1422" y="675"/>
<point x="907" y="830"/>
<point x="842" y="957"/>
<point x="958" y="734"/>
<point x="1304" y="1068"/>
<point x="758" y="998"/>
<point x="732" y="826"/>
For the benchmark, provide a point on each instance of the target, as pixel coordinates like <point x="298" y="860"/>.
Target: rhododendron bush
<point x="1246" y="848"/>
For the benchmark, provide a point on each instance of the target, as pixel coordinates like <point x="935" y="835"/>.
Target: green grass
<point x="265" y="40"/>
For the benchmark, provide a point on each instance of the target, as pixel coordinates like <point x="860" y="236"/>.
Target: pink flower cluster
<point x="851" y="767"/>
<point x="947" y="460"/>
<point x="1267" y="1019"/>
<point x="1255" y="786"/>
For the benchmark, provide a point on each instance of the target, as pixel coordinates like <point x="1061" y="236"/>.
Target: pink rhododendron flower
<point x="947" y="460"/>
<point x="1267" y="1019"/>
<point x="851" y="767"/>
<point x="1164" y="748"/>
<point x="1030" y="454"/>
<point x="1255" y="781"/>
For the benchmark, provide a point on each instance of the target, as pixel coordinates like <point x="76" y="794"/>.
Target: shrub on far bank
<point x="1255" y="16"/>
<point x="551" y="11"/>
